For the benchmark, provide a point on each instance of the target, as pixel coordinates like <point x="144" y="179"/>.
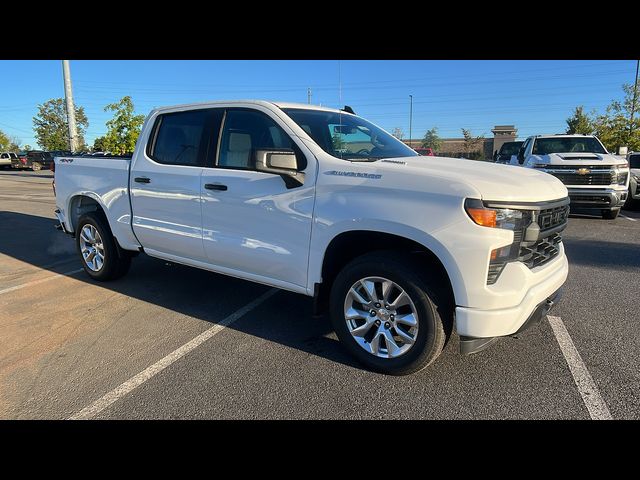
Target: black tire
<point x="610" y="214"/>
<point x="631" y="204"/>
<point x="400" y="269"/>
<point x="36" y="166"/>
<point x="116" y="261"/>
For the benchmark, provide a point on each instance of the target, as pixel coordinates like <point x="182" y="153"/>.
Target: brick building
<point x="455" y="147"/>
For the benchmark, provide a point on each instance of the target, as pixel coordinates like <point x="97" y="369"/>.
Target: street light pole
<point x="71" y="112"/>
<point x="410" y="117"/>
<point x="633" y="103"/>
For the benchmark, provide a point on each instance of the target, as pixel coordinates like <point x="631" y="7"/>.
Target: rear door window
<point x="180" y="138"/>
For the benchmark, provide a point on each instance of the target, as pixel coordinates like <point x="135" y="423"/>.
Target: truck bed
<point x="105" y="180"/>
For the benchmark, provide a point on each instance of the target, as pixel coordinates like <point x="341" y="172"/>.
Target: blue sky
<point x="536" y="96"/>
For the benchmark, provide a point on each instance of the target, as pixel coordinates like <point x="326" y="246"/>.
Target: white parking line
<point x="42" y="280"/>
<point x="137" y="380"/>
<point x="591" y="397"/>
<point x="628" y="218"/>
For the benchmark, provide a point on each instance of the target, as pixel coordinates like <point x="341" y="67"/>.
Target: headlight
<point x="621" y="175"/>
<point x="506" y="218"/>
<point x="493" y="217"/>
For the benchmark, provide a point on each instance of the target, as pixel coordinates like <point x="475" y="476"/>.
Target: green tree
<point x="580" y="122"/>
<point x="614" y="127"/>
<point x="51" y="127"/>
<point x="5" y="141"/>
<point x="432" y="140"/>
<point x="472" y="145"/>
<point x="99" y="144"/>
<point x="124" y="128"/>
<point x="26" y="147"/>
<point x="398" y="133"/>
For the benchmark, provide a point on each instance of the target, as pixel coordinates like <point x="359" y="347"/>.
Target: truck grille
<point x="552" y="217"/>
<point x="596" y="175"/>
<point x="540" y="252"/>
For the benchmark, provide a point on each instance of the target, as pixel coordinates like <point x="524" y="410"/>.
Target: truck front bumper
<point x="474" y="323"/>
<point x="597" y="198"/>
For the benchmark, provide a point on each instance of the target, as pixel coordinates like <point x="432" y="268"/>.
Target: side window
<point x="4" y="155"/>
<point x="524" y="147"/>
<point x="178" y="138"/>
<point x="246" y="131"/>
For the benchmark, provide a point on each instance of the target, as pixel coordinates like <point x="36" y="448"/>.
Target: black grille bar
<point x="541" y="251"/>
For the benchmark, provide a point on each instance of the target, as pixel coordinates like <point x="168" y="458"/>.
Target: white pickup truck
<point x="324" y="203"/>
<point x="596" y="179"/>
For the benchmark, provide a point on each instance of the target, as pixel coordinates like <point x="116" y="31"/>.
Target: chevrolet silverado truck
<point x="323" y="203"/>
<point x="596" y="180"/>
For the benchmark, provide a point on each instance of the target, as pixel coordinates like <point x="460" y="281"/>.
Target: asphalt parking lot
<point x="147" y="346"/>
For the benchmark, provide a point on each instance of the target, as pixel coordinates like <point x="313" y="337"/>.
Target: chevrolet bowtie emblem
<point x="583" y="171"/>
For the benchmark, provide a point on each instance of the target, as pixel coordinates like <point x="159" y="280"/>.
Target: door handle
<point x="142" y="180"/>
<point x="215" y="186"/>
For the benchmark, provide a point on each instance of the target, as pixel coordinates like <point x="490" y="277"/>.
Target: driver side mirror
<point x="280" y="162"/>
<point x="521" y="156"/>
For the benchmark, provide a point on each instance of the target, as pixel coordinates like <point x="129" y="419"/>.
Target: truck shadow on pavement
<point x="598" y="253"/>
<point x="285" y="318"/>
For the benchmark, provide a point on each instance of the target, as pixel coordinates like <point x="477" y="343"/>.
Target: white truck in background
<point x="596" y="180"/>
<point x="324" y="203"/>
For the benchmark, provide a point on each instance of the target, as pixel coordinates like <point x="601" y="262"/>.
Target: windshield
<point x="545" y="146"/>
<point x="510" y="148"/>
<point x="348" y="136"/>
<point x="634" y="161"/>
<point x="13" y="155"/>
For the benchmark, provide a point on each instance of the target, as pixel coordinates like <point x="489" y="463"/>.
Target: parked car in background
<point x="427" y="152"/>
<point x="506" y="152"/>
<point x="35" y="160"/>
<point x="596" y="179"/>
<point x="633" y="199"/>
<point x="6" y="159"/>
<point x="20" y="161"/>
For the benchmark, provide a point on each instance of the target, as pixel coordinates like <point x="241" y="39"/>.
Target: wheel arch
<point x="351" y="244"/>
<point x="82" y="203"/>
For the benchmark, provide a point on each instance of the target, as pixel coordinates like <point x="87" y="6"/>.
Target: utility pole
<point x="410" y="117"/>
<point x="633" y="103"/>
<point x="309" y="95"/>
<point x="71" y="112"/>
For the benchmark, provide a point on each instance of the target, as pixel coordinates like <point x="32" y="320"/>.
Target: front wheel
<point x="101" y="257"/>
<point x="384" y="313"/>
<point x="610" y="214"/>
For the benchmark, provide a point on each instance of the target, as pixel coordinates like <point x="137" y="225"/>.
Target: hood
<point x="576" y="158"/>
<point x="491" y="180"/>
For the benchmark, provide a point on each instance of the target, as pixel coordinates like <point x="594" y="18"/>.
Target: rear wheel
<point x="384" y="313"/>
<point x="101" y="258"/>
<point x="36" y="166"/>
<point x="610" y="214"/>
